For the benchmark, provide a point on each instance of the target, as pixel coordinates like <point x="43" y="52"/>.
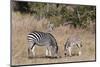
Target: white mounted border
<point x="81" y="2"/>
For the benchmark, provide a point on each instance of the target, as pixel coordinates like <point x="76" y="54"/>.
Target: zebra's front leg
<point x="50" y="51"/>
<point x="65" y="52"/>
<point x="47" y="51"/>
<point x="70" y="51"/>
<point x="79" y="53"/>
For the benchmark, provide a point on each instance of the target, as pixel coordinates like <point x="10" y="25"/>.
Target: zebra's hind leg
<point x="30" y="55"/>
<point x="31" y="48"/>
<point x="33" y="51"/>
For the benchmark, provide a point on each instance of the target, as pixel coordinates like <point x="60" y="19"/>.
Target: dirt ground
<point x="22" y="25"/>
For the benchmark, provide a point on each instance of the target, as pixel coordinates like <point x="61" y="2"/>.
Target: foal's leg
<point x="70" y="51"/>
<point x="65" y="51"/>
<point x="79" y="49"/>
<point x="79" y="53"/>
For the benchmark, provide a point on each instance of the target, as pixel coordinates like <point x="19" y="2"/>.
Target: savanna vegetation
<point x="79" y="16"/>
<point x="67" y="19"/>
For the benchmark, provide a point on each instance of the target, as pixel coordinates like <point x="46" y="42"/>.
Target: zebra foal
<point x="37" y="38"/>
<point x="72" y="42"/>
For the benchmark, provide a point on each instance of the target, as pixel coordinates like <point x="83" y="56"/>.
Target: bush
<point x="59" y="13"/>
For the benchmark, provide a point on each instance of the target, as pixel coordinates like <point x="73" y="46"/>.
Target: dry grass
<point x="23" y="24"/>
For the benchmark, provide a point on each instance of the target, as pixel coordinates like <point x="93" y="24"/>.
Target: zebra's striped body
<point x="42" y="39"/>
<point x="70" y="43"/>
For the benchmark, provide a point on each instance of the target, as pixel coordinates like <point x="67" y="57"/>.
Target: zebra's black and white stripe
<point x="71" y="42"/>
<point x="42" y="39"/>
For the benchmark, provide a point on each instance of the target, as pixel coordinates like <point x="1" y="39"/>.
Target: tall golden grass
<point x="24" y="24"/>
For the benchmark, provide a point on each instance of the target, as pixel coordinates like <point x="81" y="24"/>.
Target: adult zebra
<point x="42" y="39"/>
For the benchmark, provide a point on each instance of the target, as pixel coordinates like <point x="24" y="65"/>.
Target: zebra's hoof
<point x="79" y="53"/>
<point x="70" y="55"/>
<point x="55" y="57"/>
<point x="65" y="54"/>
<point x="30" y="57"/>
<point x="47" y="56"/>
<point x="59" y="57"/>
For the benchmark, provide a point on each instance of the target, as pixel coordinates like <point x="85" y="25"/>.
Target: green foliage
<point x="59" y="13"/>
<point x="23" y="7"/>
<point x="56" y="20"/>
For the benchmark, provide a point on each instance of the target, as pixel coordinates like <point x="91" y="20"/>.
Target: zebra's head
<point x="55" y="52"/>
<point x="80" y="45"/>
